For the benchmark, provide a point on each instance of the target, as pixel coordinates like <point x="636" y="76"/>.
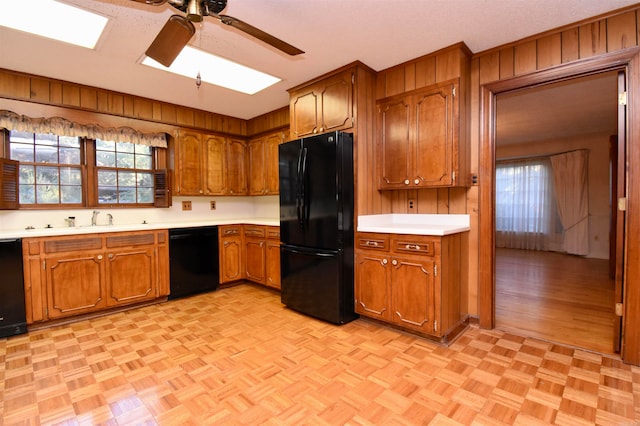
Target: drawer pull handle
<point x="372" y="243"/>
<point x="230" y="231"/>
<point x="412" y="247"/>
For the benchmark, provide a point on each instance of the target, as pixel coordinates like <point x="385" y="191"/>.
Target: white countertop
<point x="46" y="232"/>
<point x="415" y="224"/>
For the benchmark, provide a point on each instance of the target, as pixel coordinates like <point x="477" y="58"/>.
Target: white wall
<point x="266" y="207"/>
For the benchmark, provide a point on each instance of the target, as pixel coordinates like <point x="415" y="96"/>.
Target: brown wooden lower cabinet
<point x="411" y="281"/>
<point x="79" y="274"/>
<point x="250" y="252"/>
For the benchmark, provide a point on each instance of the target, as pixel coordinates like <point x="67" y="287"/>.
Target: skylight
<point x="52" y="19"/>
<point x="216" y="70"/>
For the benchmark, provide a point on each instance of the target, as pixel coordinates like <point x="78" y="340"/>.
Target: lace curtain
<point x="60" y="126"/>
<point x="526" y="212"/>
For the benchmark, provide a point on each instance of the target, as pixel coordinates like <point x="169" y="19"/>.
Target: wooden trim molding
<point x="628" y="60"/>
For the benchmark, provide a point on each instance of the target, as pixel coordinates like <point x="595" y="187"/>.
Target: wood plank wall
<point x="75" y="97"/>
<point x="589" y="39"/>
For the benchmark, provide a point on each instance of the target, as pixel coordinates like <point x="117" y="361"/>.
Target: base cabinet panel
<point x="131" y="276"/>
<point x="372" y="291"/>
<point x="81" y="274"/>
<point x="411" y="281"/>
<point x="75" y="284"/>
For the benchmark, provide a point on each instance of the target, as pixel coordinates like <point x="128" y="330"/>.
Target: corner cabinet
<point x="411" y="281"/>
<point x="419" y="143"/>
<point x="263" y="163"/>
<point x="323" y="105"/>
<point x="73" y="275"/>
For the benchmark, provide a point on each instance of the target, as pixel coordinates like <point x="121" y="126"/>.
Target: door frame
<point x="627" y="60"/>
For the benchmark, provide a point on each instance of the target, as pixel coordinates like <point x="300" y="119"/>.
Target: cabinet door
<point x="237" y="169"/>
<point x="231" y="259"/>
<point x="75" y="284"/>
<point x="189" y="165"/>
<point x="131" y="275"/>
<point x="256" y="256"/>
<point x="337" y="104"/>
<point x="303" y="108"/>
<point x="436" y="118"/>
<point x="273" y="264"/>
<point x="215" y="170"/>
<point x="394" y="147"/>
<point x="372" y="285"/>
<point x="413" y="293"/>
<point x="272" y="184"/>
<point x="257" y="167"/>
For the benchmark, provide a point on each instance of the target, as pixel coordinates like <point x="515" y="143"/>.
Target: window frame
<point x="89" y="170"/>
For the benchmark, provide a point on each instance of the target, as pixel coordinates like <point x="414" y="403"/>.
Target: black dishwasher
<point x="193" y="260"/>
<point x="12" y="310"/>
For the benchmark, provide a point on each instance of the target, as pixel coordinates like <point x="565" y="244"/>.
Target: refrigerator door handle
<point x="311" y="253"/>
<point x="303" y="191"/>
<point x="299" y="189"/>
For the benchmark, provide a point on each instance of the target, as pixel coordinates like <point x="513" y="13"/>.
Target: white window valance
<point x="63" y="127"/>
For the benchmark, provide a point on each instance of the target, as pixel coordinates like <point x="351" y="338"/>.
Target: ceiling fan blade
<point x="259" y="34"/>
<point x="171" y="39"/>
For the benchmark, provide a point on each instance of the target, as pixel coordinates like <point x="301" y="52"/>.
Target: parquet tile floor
<point x="237" y="356"/>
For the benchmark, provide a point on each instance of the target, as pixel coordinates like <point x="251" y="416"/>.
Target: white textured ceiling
<point x="380" y="33"/>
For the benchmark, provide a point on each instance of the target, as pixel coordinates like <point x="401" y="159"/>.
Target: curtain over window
<point x="60" y="126"/>
<point x="572" y="193"/>
<point x="525" y="208"/>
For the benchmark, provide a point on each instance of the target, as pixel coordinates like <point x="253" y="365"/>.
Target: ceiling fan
<point x="178" y="30"/>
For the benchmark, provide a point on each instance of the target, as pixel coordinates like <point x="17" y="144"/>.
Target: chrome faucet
<point x="94" y="217"/>
<point x="110" y="217"/>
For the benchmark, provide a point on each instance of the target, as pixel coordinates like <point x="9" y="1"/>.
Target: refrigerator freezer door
<point x="316" y="283"/>
<point x="316" y="191"/>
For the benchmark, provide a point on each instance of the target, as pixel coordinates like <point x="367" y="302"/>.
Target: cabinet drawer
<point x="372" y="241"/>
<point x="254" y="231"/>
<point x="230" y="231"/>
<point x="412" y="245"/>
<point x="273" y="233"/>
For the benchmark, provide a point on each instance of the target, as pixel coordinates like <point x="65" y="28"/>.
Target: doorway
<point x="543" y="289"/>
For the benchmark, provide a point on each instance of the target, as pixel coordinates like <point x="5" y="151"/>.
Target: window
<point x="69" y="171"/>
<point x="124" y="173"/>
<point x="50" y="168"/>
<point x="526" y="211"/>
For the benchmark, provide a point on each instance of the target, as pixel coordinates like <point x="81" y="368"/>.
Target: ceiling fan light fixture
<point x="194" y="12"/>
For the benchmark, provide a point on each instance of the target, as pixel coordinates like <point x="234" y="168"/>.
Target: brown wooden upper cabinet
<point x="323" y="105"/>
<point x="263" y="163"/>
<point x="207" y="164"/>
<point x="419" y="144"/>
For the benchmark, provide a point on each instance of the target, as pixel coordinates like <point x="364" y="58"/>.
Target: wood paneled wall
<point x="554" y="53"/>
<point x="46" y="91"/>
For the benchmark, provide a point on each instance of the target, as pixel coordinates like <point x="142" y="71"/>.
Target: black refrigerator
<point x="316" y="226"/>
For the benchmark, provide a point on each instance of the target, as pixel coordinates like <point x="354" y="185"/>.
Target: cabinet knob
<point x="416" y="181"/>
<point x="394" y="262"/>
<point x="201" y="191"/>
<point x="99" y="257"/>
<point x="406" y="181"/>
<point x="385" y="261"/>
<point x="110" y="255"/>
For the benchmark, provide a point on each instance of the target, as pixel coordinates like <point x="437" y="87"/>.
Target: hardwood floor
<point x="237" y="356"/>
<point x="554" y="296"/>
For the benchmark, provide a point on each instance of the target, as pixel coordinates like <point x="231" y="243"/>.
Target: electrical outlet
<point x="186" y="205"/>
<point x="411" y="203"/>
<point x="213" y="205"/>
